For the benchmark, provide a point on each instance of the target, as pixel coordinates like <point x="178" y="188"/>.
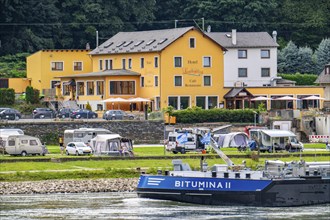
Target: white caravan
<point x="82" y="134"/>
<point x="24" y="145"/>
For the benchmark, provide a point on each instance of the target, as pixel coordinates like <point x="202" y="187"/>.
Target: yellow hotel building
<point x="181" y="67"/>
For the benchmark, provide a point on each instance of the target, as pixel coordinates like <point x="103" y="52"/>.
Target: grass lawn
<point x="19" y="171"/>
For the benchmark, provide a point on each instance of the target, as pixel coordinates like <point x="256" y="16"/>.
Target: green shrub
<point x="7" y="96"/>
<point x="197" y="115"/>
<point x="301" y="79"/>
<point x="88" y="106"/>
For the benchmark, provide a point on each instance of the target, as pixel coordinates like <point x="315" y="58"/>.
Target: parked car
<point x="65" y="112"/>
<point x="83" y="113"/>
<point x="10" y="114"/>
<point x="43" y="113"/>
<point x="117" y="114"/>
<point x="77" y="148"/>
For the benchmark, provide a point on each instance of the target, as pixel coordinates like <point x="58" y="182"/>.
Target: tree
<point x="88" y="106"/>
<point x="322" y="55"/>
<point x="287" y="59"/>
<point x="13" y="66"/>
<point x="305" y="58"/>
<point x="32" y="95"/>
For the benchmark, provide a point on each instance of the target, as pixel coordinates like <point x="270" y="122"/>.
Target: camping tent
<point x="111" y="144"/>
<point x="234" y="139"/>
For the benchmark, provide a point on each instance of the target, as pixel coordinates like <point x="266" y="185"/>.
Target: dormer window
<point x="120" y="44"/>
<point x="150" y="42"/>
<point x="128" y="43"/>
<point x="162" y="41"/>
<point x="327" y="70"/>
<point x="138" y="43"/>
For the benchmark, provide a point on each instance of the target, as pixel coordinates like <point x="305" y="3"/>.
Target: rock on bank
<point x="69" y="186"/>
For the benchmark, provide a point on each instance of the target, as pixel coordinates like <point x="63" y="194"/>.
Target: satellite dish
<point x="208" y="29"/>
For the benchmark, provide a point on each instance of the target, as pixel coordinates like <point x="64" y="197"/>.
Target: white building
<point x="251" y="59"/>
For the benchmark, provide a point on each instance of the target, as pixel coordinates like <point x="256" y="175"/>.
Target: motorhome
<point x="83" y="134"/>
<point x="277" y="140"/>
<point x="24" y="145"/>
<point x="193" y="143"/>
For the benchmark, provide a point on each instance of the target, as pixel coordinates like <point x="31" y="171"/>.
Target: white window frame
<point x="101" y="67"/>
<point x="242" y="76"/>
<point x="84" y="88"/>
<point x="123" y="63"/>
<point x="192" y="38"/>
<point x="181" y="80"/>
<point x="51" y="66"/>
<point x="156" y="81"/>
<point x="97" y="87"/>
<point x="51" y="82"/>
<point x="210" y="61"/>
<point x="142" y="64"/>
<point x="261" y="72"/>
<point x="130" y="61"/>
<point x="210" y="80"/>
<point x="87" y="88"/>
<point x="135" y="85"/>
<point x="243" y="57"/>
<point x="268" y="54"/>
<point x="181" y="61"/>
<point x="156" y="64"/>
<point x="82" y="65"/>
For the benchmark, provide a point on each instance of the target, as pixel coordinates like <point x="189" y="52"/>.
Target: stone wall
<point x="145" y="132"/>
<point x="148" y="132"/>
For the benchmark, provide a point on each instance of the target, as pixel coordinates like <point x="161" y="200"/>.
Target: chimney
<point x="274" y="36"/>
<point x="233" y="36"/>
<point x="87" y="46"/>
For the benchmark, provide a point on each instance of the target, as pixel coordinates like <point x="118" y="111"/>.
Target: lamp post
<point x="255" y="118"/>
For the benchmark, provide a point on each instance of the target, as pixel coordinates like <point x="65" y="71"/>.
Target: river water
<point x="129" y="206"/>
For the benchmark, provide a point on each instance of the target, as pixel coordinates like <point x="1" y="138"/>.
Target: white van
<point x="193" y="141"/>
<point x="82" y="134"/>
<point x="24" y="145"/>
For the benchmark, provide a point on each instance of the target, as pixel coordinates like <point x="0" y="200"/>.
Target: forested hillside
<point x="27" y="26"/>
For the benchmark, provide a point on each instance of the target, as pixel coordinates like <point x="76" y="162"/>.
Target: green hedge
<point x="301" y="79"/>
<point x="7" y="96"/>
<point x="213" y="115"/>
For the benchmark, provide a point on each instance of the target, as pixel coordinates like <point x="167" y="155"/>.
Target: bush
<point x="197" y="115"/>
<point x="301" y="79"/>
<point x="7" y="96"/>
<point x="88" y="106"/>
<point x="32" y="95"/>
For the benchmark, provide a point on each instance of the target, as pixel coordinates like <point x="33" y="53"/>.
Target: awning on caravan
<point x="278" y="133"/>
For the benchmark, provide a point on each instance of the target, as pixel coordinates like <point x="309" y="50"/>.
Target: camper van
<point x="82" y="134"/>
<point x="194" y="137"/>
<point x="278" y="140"/>
<point x="24" y="145"/>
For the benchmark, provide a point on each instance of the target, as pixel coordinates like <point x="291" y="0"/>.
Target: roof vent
<point x="228" y="35"/>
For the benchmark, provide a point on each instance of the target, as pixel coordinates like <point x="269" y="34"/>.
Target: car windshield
<point x="80" y="144"/>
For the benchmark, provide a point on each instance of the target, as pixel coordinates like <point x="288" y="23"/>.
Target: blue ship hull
<point x="225" y="191"/>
